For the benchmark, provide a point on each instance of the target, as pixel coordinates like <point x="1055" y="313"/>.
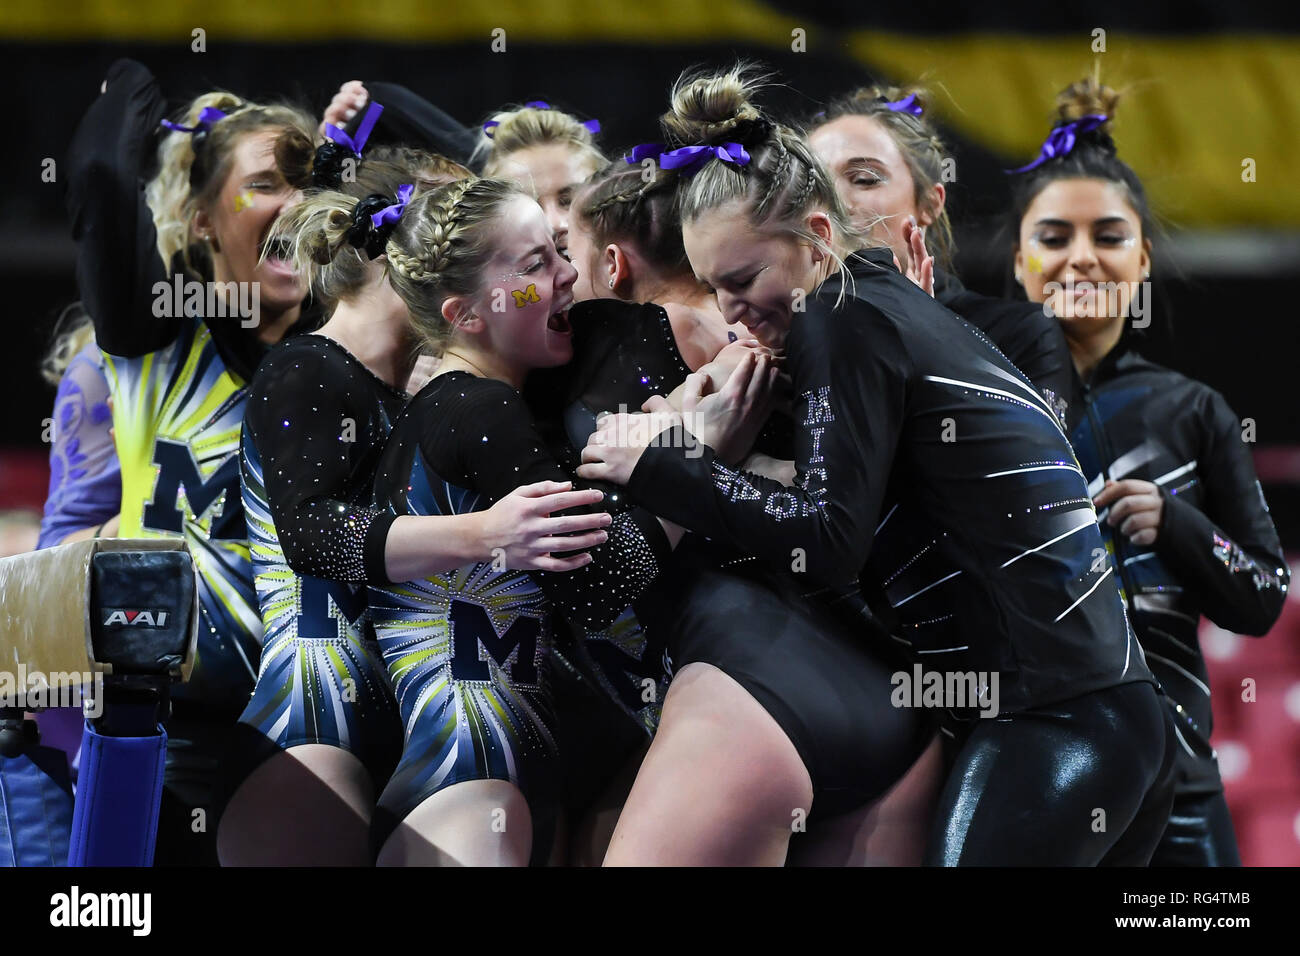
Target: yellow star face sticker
<point x="528" y="295"/>
<point x="1035" y="264"/>
<point x="243" y="201"/>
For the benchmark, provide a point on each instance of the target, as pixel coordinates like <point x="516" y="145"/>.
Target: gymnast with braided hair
<point x="468" y="646"/>
<point x="322" y="721"/>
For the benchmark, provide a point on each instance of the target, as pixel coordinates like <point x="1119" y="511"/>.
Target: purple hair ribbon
<point x="907" y="104"/>
<point x="207" y="117"/>
<point x="591" y="126"/>
<point x="689" y="159"/>
<point x="394" y="212"/>
<point x="358" y="143"/>
<point x="643" y="152"/>
<point x="1061" y="140"/>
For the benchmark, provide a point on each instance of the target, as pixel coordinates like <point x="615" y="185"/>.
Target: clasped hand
<point x="726" y="419"/>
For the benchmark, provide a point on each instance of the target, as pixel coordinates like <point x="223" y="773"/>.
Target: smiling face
<point x="522" y="308"/>
<point x="871" y="177"/>
<point x="241" y="218"/>
<point x="551" y="173"/>
<point x="1075" y="234"/>
<point x="753" y="273"/>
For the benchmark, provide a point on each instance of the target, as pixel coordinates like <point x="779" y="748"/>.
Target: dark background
<point x="1213" y="82"/>
<point x="1229" y="324"/>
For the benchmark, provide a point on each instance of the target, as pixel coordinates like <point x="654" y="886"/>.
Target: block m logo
<point x="471" y="628"/>
<point x="178" y="470"/>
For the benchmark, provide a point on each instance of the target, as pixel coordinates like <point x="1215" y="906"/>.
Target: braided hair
<point x="440" y="246"/>
<point x="619" y="204"/>
<point x="920" y="145"/>
<point x="434" y="250"/>
<point x="331" y="238"/>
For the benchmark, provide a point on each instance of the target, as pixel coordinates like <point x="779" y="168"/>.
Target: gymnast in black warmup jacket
<point x="1183" y="515"/>
<point x="626" y="242"/>
<point x="897" y="401"/>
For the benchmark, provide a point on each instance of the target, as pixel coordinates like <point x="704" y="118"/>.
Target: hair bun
<point x="295" y="158"/>
<point x="715" y="108"/>
<point x="896" y="94"/>
<point x="1087" y="97"/>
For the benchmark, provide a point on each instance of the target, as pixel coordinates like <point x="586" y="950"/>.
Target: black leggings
<point x="1084" y="782"/>
<point x="1199" y="833"/>
<point x="815" y="676"/>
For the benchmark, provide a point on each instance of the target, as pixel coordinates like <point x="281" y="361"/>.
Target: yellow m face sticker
<point x="528" y="295"/>
<point x="243" y="201"/>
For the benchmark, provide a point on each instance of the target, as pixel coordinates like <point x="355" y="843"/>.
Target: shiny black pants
<point x="1199" y="833"/>
<point x="1083" y="782"/>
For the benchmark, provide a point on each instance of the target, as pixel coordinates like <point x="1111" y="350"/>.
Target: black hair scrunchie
<point x="363" y="234"/>
<point x="753" y="132"/>
<point x="327" y="165"/>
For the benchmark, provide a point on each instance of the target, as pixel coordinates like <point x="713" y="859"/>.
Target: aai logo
<point x="131" y="617"/>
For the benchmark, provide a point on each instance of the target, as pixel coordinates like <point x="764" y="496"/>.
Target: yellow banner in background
<point x="403" y="21"/>
<point x="1194" y="110"/>
<point x="1204" y="114"/>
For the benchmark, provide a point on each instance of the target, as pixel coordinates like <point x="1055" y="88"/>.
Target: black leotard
<point x="317" y="419"/>
<point x="469" y="652"/>
<point x="827" y="690"/>
<point x="314" y="427"/>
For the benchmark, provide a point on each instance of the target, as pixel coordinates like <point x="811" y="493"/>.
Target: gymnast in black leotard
<point x="626" y="242"/>
<point x="319" y="410"/>
<point x="897" y="402"/>
<point x="468" y="649"/>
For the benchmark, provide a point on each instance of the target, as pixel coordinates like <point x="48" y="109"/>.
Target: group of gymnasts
<point x="562" y="504"/>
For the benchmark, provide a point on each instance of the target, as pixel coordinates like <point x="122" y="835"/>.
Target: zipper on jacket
<point x="1103" y="447"/>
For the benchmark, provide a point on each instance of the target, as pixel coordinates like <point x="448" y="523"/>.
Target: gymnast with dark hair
<point x="1183" y="516"/>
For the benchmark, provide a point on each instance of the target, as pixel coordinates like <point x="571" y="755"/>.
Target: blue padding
<point x="35" y="808"/>
<point x="118" y="791"/>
